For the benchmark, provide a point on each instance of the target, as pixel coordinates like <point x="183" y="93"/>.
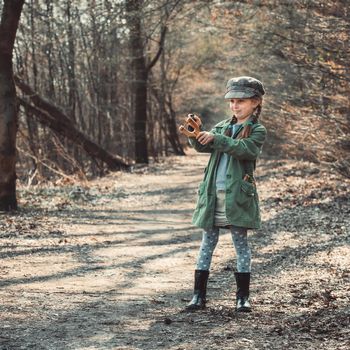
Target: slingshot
<point x="191" y="127"/>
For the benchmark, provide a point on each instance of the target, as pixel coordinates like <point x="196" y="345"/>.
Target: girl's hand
<point x="205" y="137"/>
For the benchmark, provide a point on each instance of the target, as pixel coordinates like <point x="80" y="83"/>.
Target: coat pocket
<point x="202" y="196"/>
<point x="246" y="194"/>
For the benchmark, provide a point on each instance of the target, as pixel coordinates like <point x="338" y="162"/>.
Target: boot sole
<point x="244" y="309"/>
<point x="194" y="308"/>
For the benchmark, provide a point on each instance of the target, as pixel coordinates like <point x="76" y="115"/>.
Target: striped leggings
<point x="240" y="240"/>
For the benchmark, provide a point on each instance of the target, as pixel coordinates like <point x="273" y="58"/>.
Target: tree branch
<point x="51" y="116"/>
<point x="160" y="48"/>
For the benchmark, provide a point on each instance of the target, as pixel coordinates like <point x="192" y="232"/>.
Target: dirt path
<point x="110" y="265"/>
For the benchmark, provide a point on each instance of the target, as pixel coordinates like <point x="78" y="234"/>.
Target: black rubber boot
<point x="200" y="290"/>
<point x="242" y="294"/>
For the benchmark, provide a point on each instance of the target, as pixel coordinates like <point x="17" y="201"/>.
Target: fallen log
<point x="50" y="115"/>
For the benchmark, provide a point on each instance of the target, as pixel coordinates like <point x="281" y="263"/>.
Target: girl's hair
<point x="245" y="132"/>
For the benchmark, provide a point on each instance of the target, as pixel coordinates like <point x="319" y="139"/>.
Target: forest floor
<point x="108" y="264"/>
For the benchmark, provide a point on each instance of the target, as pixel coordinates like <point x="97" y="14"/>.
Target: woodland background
<point x="101" y="259"/>
<point x="124" y="74"/>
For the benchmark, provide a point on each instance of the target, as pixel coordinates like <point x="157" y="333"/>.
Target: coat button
<point x="228" y="191"/>
<point x="228" y="176"/>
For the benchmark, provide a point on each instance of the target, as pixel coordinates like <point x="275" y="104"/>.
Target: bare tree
<point x="51" y="116"/>
<point x="11" y="13"/>
<point x="142" y="64"/>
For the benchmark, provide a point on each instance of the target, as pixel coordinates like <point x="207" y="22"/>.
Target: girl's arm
<point x="199" y="147"/>
<point x="208" y="148"/>
<point x="247" y="148"/>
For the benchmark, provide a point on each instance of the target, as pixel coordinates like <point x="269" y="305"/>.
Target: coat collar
<point x="238" y="130"/>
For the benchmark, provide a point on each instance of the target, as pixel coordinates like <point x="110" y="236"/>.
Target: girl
<point x="227" y="195"/>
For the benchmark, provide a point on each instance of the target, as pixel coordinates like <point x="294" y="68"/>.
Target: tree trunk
<point x="72" y="85"/>
<point x="8" y="106"/>
<point x="138" y="79"/>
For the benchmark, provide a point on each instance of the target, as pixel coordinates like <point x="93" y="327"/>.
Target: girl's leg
<point x="243" y="253"/>
<point x="242" y="276"/>
<point x="209" y="241"/>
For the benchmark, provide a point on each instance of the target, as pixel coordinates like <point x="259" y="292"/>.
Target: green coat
<point x="242" y="201"/>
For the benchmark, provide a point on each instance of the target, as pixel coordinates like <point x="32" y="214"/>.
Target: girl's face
<point x="243" y="108"/>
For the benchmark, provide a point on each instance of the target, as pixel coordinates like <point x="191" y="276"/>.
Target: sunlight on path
<point x="115" y="269"/>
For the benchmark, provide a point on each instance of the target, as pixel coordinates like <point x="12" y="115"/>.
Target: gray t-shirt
<point x="222" y="166"/>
